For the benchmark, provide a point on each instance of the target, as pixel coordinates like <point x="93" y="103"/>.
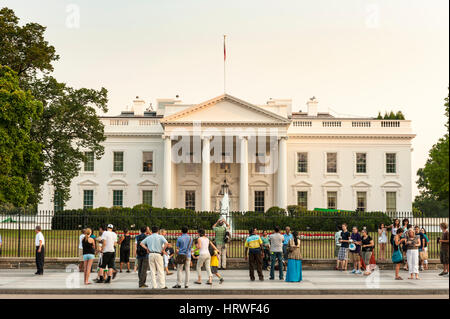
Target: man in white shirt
<point x="40" y="251"/>
<point x="109" y="239"/>
<point x="80" y="250"/>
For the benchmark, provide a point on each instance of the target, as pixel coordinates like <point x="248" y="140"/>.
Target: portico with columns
<point x="214" y="143"/>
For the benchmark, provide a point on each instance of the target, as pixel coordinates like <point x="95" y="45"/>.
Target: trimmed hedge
<point x="174" y="219"/>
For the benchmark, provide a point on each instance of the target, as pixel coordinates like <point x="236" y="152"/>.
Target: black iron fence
<point x="317" y="229"/>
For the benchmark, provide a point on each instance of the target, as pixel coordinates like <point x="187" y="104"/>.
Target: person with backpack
<point x="221" y="228"/>
<point x="204" y="244"/>
<point x="141" y="258"/>
<point x="183" y="258"/>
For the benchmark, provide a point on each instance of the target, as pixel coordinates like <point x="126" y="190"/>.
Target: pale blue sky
<point x="357" y="57"/>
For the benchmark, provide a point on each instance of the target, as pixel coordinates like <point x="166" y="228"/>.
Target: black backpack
<point x="227" y="237"/>
<point x="211" y="250"/>
<point x="140" y="251"/>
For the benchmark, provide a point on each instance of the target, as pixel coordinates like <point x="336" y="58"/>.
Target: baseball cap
<point x="110" y="226"/>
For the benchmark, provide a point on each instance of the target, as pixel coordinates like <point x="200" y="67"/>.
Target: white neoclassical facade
<point x="182" y="156"/>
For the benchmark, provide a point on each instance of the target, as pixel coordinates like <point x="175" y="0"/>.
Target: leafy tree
<point x="19" y="153"/>
<point x="379" y="117"/>
<point x="24" y="49"/>
<point x="433" y="179"/>
<point x="69" y="123"/>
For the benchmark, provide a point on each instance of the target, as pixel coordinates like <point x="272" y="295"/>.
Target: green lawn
<point x="64" y="243"/>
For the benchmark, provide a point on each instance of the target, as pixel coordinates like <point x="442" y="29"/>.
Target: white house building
<point x="182" y="156"/>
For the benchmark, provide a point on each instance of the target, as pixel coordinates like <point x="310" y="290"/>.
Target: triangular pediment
<point x="332" y="184"/>
<point x="361" y="184"/>
<point x="147" y="183"/>
<point x="225" y="109"/>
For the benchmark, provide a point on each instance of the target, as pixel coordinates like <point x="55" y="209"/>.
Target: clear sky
<point x="357" y="57"/>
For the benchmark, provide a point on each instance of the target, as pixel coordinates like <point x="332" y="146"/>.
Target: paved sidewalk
<point x="320" y="282"/>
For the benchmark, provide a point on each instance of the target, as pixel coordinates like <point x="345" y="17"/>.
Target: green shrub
<point x="174" y="219"/>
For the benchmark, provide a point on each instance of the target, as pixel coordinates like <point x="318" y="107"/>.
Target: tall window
<point x="391" y="201"/>
<point x="361" y="163"/>
<point x="89" y="162"/>
<point x="147" y="161"/>
<point x="391" y="163"/>
<point x="332" y="200"/>
<point x="260" y="163"/>
<point x="259" y="201"/>
<point x="147" y="197"/>
<point x="117" y="197"/>
<point x="302" y="162"/>
<point x="58" y="203"/>
<point x="302" y="200"/>
<point x="190" y="200"/>
<point x="361" y="201"/>
<point x="331" y="162"/>
<point x="88" y="198"/>
<point x="118" y="162"/>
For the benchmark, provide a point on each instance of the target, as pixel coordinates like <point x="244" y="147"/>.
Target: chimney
<point x="312" y="106"/>
<point x="138" y="106"/>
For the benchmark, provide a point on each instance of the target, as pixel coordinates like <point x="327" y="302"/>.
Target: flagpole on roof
<point x="224" y="63"/>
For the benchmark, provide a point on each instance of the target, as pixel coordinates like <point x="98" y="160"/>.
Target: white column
<point x="206" y="179"/>
<point x="167" y="184"/>
<point x="243" y="177"/>
<point x="282" y="173"/>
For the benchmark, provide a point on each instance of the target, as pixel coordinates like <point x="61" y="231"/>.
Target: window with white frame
<point x="147" y="161"/>
<point x="147" y="197"/>
<point x="260" y="163"/>
<point x="118" y="197"/>
<point x="361" y="163"/>
<point x="391" y="201"/>
<point x="391" y="163"/>
<point x="331" y="162"/>
<point x="302" y="200"/>
<point x="118" y="162"/>
<point x="361" y="201"/>
<point x="302" y="162"/>
<point x="332" y="200"/>
<point x="89" y="162"/>
<point x="259" y="201"/>
<point x="190" y="200"/>
<point x="88" y="198"/>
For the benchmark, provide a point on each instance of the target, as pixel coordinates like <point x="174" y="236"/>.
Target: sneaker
<point x="358" y="272"/>
<point x="353" y="271"/>
<point x="176" y="286"/>
<point x="421" y="268"/>
<point x="221" y="280"/>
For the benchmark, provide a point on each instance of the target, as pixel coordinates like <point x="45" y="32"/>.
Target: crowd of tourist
<point x="409" y="247"/>
<point x="263" y="252"/>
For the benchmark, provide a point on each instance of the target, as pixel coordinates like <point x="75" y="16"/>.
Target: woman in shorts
<point x="88" y="244"/>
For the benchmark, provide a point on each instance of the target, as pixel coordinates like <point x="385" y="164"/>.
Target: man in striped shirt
<point x="253" y="248"/>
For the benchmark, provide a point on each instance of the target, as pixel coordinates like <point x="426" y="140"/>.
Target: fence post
<point x="18" y="238"/>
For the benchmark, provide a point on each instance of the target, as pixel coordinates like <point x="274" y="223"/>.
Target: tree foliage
<point x="19" y="153"/>
<point x="433" y="180"/>
<point x="69" y="124"/>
